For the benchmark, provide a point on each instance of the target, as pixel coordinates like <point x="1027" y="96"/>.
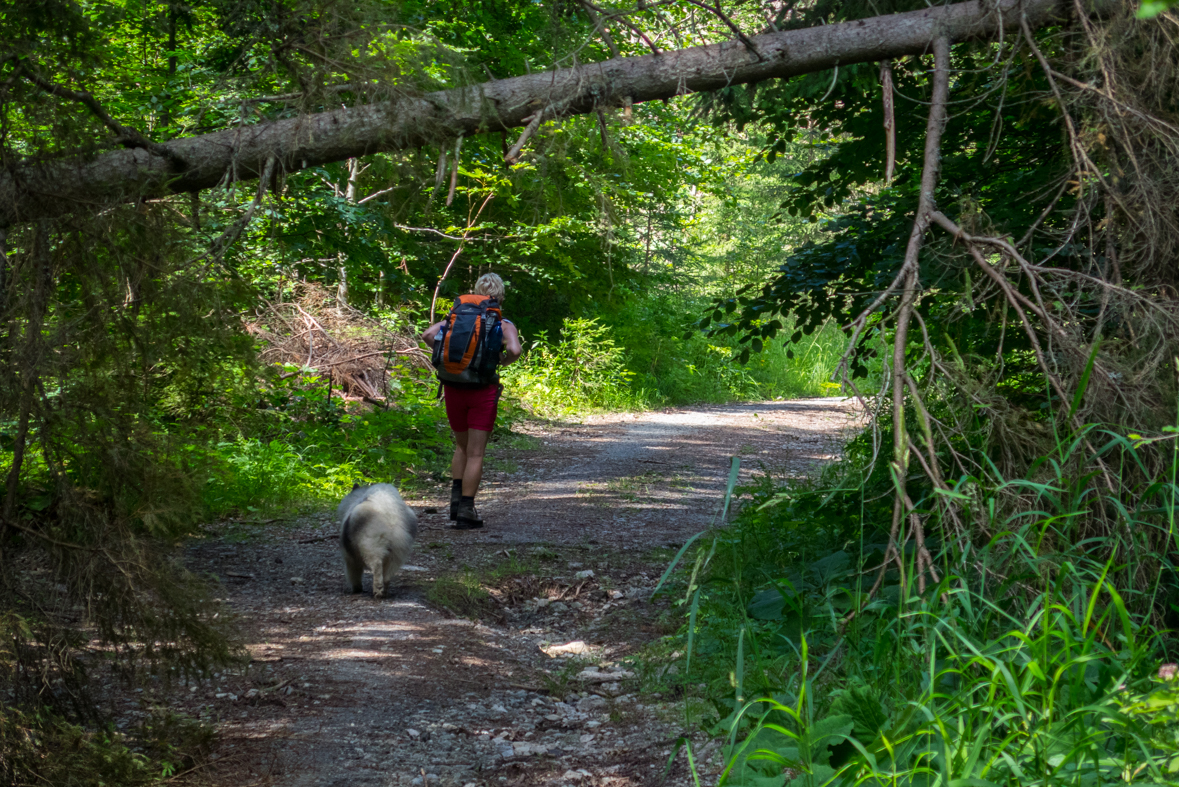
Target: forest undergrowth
<point x="1041" y="654"/>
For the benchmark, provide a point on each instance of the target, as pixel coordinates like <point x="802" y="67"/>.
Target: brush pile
<point x="315" y="332"/>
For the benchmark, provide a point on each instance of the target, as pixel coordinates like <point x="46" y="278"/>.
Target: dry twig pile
<point x="316" y="333"/>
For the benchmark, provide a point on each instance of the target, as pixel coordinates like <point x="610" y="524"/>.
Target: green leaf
<point x="767" y="605"/>
<point x="1152" y="8"/>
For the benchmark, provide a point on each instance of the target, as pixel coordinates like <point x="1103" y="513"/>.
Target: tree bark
<point x="30" y="192"/>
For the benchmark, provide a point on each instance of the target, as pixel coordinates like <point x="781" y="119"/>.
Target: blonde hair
<point x="491" y="285"/>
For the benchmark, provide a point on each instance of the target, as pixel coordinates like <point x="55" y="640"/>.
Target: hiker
<point x="468" y="346"/>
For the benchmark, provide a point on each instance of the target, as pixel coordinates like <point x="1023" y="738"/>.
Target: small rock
<point x="592" y="724"/>
<point x="559" y="607"/>
<point x="616" y="594"/>
<point x="574" y="648"/>
<point x="296" y="580"/>
<point x="575" y="565"/>
<point x="541" y="603"/>
<point x="417" y="780"/>
<point x="528" y="749"/>
<point x="411" y="732"/>
<point x="413" y="568"/>
<point x="591" y="704"/>
<point x="587" y="574"/>
<point x="498" y="709"/>
<point x="251" y="694"/>
<point x="595" y="674"/>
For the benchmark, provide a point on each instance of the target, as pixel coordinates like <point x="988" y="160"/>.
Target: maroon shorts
<point x="471" y="408"/>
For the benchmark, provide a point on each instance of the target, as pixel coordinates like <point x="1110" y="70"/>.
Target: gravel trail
<point x="347" y="690"/>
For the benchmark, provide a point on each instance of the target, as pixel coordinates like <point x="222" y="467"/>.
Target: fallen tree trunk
<point x="35" y="191"/>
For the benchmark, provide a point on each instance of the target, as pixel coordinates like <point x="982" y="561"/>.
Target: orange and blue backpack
<point x="466" y="350"/>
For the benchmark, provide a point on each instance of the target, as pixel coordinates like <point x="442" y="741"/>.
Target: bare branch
<point x="431" y="229"/>
<point x="621" y="17"/>
<point x="533" y="124"/>
<point x="471" y="222"/>
<point x="458" y="149"/>
<point x="601" y="28"/>
<point x="219" y="245"/>
<point x="716" y="10"/>
<point x="890" y="130"/>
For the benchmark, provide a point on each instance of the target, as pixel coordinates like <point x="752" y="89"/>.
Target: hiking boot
<point x="466" y="517"/>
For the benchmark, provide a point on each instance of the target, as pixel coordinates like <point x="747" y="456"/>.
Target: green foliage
<point x="1031" y="661"/>
<point x="585" y="369"/>
<point x="635" y="357"/>
<point x="42" y="748"/>
<point x="1152" y="8"/>
<point x="301" y="448"/>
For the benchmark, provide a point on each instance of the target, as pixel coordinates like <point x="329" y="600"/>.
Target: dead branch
<point x="458" y="149"/>
<point x="907" y="281"/>
<point x="533" y="124"/>
<point x="601" y="28"/>
<point x="621" y="18"/>
<point x="721" y="15"/>
<point x="471" y="222"/>
<point x="220" y="244"/>
<point x="890" y="131"/>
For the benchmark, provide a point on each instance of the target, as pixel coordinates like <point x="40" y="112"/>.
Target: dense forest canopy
<point x="970" y="207"/>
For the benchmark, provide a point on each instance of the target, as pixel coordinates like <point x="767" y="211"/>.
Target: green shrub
<point x="584" y="370"/>
<point x="302" y="448"/>
<point x="38" y="748"/>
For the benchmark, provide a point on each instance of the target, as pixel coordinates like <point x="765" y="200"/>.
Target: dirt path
<point x="345" y="690"/>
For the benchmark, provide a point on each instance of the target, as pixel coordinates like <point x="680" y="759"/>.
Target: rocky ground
<point x="540" y="687"/>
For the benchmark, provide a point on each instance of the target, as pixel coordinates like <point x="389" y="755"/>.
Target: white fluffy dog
<point x="377" y="530"/>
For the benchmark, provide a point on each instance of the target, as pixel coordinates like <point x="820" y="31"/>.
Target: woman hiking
<point x="468" y="346"/>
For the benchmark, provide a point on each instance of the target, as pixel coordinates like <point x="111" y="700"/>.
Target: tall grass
<point x="1034" y="660"/>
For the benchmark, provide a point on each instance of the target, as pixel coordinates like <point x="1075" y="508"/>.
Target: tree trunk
<point x="34" y="191"/>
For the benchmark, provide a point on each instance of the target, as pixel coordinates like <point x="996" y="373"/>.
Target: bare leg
<point x="474" y="444"/>
<point x="353" y="571"/>
<point x="459" y="462"/>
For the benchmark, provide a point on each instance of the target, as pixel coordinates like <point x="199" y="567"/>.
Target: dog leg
<point x="378" y="570"/>
<point x="389" y="568"/>
<point x="353" y="571"/>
